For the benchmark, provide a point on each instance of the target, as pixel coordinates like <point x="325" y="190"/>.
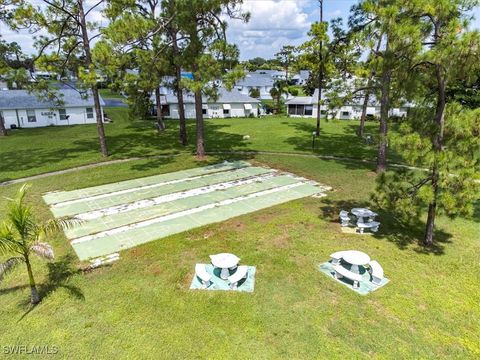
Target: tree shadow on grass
<point x="403" y="235"/>
<point x="344" y="145"/>
<point x="59" y="275"/>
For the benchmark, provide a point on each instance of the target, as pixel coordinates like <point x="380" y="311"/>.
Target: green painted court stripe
<point x="130" y="238"/>
<point x="58" y="197"/>
<point x="85" y="206"/>
<point x="116" y="220"/>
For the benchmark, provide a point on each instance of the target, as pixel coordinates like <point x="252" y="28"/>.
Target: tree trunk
<point x="179" y="90"/>
<point x="35" y="298"/>
<point x="158" y="106"/>
<point x="3" y="130"/>
<point x="361" y="130"/>
<point x="384" y="108"/>
<point x="199" y="125"/>
<point x="437" y="143"/>
<point x="94" y="89"/>
<point x="432" y="208"/>
<point x="320" y="76"/>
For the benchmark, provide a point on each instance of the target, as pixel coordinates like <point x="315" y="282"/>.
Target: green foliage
<point x="293" y="90"/>
<point x="254" y="92"/>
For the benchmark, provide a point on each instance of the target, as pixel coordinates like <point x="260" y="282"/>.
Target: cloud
<point x="273" y="23"/>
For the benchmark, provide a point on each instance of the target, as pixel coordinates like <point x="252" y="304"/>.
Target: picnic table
<point x="361" y="213"/>
<point x="356" y="258"/>
<point x="224" y="261"/>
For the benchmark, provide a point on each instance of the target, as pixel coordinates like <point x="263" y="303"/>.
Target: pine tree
<point x="68" y="37"/>
<point x="441" y="136"/>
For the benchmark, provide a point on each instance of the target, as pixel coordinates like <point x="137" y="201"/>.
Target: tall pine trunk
<point x="3" y="130"/>
<point x="179" y="89"/>
<point x="384" y="109"/>
<point x="94" y="89"/>
<point x="437" y="143"/>
<point x="199" y="125"/>
<point x="35" y="298"/>
<point x="158" y="106"/>
<point x="361" y="129"/>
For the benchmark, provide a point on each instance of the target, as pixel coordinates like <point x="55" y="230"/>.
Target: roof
<point x="224" y="96"/>
<point x="22" y="99"/>
<point x="256" y="79"/>
<point x="306" y="100"/>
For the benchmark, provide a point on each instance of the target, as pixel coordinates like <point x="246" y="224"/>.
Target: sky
<point x="273" y="23"/>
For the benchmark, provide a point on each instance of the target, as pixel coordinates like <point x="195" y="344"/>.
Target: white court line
<point x="95" y="214"/>
<point x="139" y="188"/>
<point x="180" y="214"/>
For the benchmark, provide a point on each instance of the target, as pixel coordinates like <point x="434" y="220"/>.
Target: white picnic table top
<point x="224" y="260"/>
<point x="356" y="257"/>
<point x="362" y="212"/>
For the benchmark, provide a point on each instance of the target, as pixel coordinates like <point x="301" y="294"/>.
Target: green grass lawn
<point x="33" y="151"/>
<point x="110" y="94"/>
<point x="141" y="307"/>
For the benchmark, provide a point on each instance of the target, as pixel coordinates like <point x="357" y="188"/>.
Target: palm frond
<point x="20" y="214"/>
<point x="43" y="250"/>
<point x="8" y="265"/>
<point x="8" y="242"/>
<point x="56" y="225"/>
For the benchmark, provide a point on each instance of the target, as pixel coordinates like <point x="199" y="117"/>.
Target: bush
<point x="293" y="90"/>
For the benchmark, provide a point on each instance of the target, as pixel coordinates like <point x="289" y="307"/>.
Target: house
<point x="19" y="108"/>
<point x="306" y="106"/>
<point x="229" y="104"/>
<point x="300" y="78"/>
<point x="262" y="82"/>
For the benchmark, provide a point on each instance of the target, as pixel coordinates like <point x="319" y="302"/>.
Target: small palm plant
<point x="21" y="234"/>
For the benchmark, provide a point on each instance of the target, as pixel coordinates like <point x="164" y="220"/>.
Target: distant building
<point x="306" y="106"/>
<point x="229" y="104"/>
<point x="262" y="82"/>
<point x="19" y="108"/>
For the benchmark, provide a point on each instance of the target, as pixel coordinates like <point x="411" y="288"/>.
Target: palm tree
<point x="21" y="234"/>
<point x="279" y="88"/>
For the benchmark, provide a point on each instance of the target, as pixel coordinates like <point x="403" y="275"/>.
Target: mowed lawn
<point x="141" y="307"/>
<point x="29" y="152"/>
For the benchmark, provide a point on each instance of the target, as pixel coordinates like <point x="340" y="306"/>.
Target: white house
<point x="263" y="82"/>
<point x="306" y="106"/>
<point x="19" y="108"/>
<point x="229" y="104"/>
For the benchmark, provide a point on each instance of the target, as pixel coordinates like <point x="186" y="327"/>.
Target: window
<point x="300" y="109"/>
<point x="345" y="113"/>
<point x="308" y="109"/>
<point x="204" y="111"/>
<point x="226" y="112"/>
<point x="63" y="114"/>
<point x="291" y="109"/>
<point x="89" y="113"/>
<point x="31" y="116"/>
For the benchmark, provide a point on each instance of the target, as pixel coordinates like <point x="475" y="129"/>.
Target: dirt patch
<point x="235" y="225"/>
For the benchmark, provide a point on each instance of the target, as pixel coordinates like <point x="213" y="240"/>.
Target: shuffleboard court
<point x="118" y="216"/>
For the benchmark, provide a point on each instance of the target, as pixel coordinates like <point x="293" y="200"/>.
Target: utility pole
<point x="320" y="74"/>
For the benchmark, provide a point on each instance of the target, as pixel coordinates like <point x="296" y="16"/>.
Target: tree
<point x="207" y="51"/>
<point x="441" y="136"/>
<point x="280" y="87"/>
<point x="386" y="25"/>
<point x="254" y="92"/>
<point x="286" y="56"/>
<point x="68" y="37"/>
<point x="176" y="61"/>
<point x="22" y="235"/>
<point x="137" y="28"/>
<point x="6" y="50"/>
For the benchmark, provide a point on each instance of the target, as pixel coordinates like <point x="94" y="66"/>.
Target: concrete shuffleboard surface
<point x="118" y="216"/>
